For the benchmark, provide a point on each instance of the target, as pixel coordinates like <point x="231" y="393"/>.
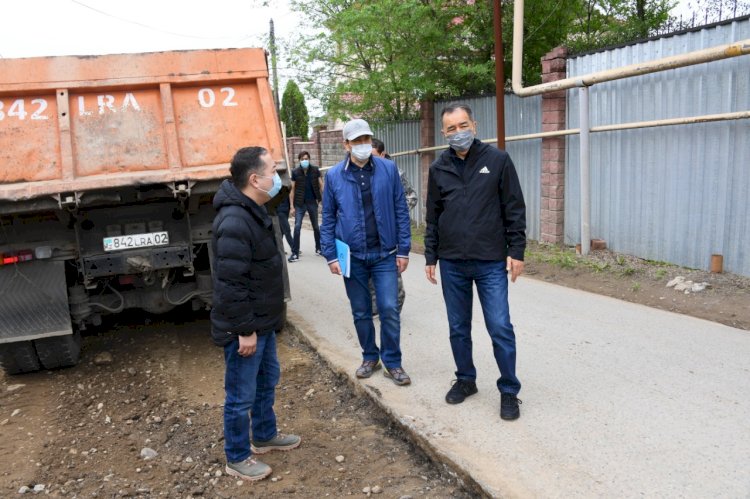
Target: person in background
<point x="364" y="206"/>
<point x="306" y="194"/>
<point x="248" y="309"/>
<point x="282" y="212"/>
<point x="476" y="228"/>
<point x="378" y="149"/>
<point x="411" y="195"/>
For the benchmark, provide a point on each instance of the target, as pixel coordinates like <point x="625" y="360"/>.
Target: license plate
<point x="117" y="243"/>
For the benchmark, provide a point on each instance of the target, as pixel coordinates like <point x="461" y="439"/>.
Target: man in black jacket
<point x="476" y="223"/>
<point x="248" y="310"/>
<point x="306" y="194"/>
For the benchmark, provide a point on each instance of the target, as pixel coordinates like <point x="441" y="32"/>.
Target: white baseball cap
<point x="356" y="128"/>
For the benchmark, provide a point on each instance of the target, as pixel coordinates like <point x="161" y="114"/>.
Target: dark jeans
<point x="384" y="274"/>
<point x="250" y="386"/>
<point x="311" y="208"/>
<point x="457" y="278"/>
<point x="286" y="231"/>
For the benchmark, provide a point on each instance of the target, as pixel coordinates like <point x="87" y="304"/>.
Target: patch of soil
<point x="80" y="432"/>
<point x="726" y="299"/>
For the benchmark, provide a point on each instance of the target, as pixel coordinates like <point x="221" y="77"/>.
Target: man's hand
<point x="291" y="210"/>
<point x="514" y="268"/>
<point x="401" y="264"/>
<point x="429" y="272"/>
<point x="335" y="268"/>
<point x="248" y="344"/>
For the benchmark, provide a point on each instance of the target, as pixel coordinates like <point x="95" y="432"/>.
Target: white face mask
<point x="362" y="151"/>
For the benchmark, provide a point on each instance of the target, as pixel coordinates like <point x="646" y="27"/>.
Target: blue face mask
<point x="304" y="163"/>
<point x="276" y="185"/>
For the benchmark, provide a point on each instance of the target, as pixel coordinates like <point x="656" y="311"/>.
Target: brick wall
<point x="331" y="147"/>
<point x="553" y="150"/>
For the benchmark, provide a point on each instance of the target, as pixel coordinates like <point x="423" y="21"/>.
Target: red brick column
<point x="553" y="150"/>
<point x="426" y="139"/>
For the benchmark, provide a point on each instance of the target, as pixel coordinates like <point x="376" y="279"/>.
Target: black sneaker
<point x="509" y="409"/>
<point x="293" y="258"/>
<point x="461" y="389"/>
<point x="318" y="252"/>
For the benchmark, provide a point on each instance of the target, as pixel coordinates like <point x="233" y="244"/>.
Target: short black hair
<point x="378" y="145"/>
<point x="303" y="153"/>
<point x="455" y="107"/>
<point x="245" y="162"/>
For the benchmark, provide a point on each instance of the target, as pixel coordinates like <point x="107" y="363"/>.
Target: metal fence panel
<point x="404" y="136"/>
<point x="677" y="193"/>
<point x="522" y="116"/>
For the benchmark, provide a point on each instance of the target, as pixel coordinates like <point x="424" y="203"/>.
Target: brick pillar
<point x="426" y="139"/>
<point x="553" y="150"/>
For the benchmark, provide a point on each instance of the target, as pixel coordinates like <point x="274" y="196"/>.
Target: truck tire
<point x="59" y="351"/>
<point x="18" y="358"/>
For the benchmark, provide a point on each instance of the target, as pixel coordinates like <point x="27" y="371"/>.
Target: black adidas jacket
<point x="478" y="216"/>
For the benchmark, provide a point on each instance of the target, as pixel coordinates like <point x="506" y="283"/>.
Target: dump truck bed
<point x="72" y="124"/>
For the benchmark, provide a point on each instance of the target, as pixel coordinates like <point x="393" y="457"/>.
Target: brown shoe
<point x="397" y="375"/>
<point x="367" y="368"/>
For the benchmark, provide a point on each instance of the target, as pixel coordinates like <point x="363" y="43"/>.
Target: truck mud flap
<point x="34" y="303"/>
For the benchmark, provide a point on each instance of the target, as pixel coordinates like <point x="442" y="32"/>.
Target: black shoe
<point x="509" y="409"/>
<point x="293" y="258"/>
<point x="318" y="252"/>
<point x="461" y="389"/>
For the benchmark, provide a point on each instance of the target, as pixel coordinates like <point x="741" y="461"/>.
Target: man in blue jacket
<point x="476" y="227"/>
<point x="248" y="310"/>
<point x="364" y="206"/>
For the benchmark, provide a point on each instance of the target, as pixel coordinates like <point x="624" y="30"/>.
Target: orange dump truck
<point x="108" y="165"/>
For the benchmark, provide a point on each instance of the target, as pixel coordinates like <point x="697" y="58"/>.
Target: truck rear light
<point x="42" y="252"/>
<point x="16" y="257"/>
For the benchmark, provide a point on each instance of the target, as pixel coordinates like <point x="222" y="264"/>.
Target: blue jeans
<point x="311" y="208"/>
<point x="384" y="276"/>
<point x="457" y="278"/>
<point x="250" y="386"/>
<point x="286" y="231"/>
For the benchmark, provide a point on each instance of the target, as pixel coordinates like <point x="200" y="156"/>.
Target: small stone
<point x="13" y="388"/>
<point x="188" y="459"/>
<point x="100" y="406"/>
<point x="148" y="453"/>
<point x="23" y="489"/>
<point x="157" y="419"/>
<point x="276" y="479"/>
<point x="4" y="422"/>
<point x="107" y="420"/>
<point x="38" y="488"/>
<point x="310" y="392"/>
<point x="15" y="413"/>
<point x="218" y="473"/>
<point x="340" y="459"/>
<point x="677" y="280"/>
<point x="240" y="483"/>
<point x="103" y="359"/>
<point x="377" y="489"/>
<point x="366" y="490"/>
<point x="132" y="371"/>
<point x="406" y="497"/>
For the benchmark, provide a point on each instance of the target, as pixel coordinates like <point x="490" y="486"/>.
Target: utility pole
<point x="499" y="73"/>
<point x="273" y="69"/>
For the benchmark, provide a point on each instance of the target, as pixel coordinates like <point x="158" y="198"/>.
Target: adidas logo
<point x="484" y="170"/>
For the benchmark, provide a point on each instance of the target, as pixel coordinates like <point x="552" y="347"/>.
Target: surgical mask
<point x="304" y="163"/>
<point x="276" y="185"/>
<point x="461" y="141"/>
<point x="362" y="151"/>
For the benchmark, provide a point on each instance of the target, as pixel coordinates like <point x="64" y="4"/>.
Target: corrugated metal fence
<point x="677" y="193"/>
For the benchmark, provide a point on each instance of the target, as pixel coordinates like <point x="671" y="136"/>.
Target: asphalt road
<point x="619" y="400"/>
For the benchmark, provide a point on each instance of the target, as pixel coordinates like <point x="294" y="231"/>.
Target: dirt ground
<point x="726" y="299"/>
<point x="80" y="432"/>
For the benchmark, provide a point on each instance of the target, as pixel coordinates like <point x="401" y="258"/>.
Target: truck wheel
<point x="59" y="351"/>
<point x="18" y="358"/>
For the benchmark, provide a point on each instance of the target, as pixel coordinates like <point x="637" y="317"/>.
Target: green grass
<point x="417" y="234"/>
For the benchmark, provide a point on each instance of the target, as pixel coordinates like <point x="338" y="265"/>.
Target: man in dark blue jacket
<point x="248" y="310"/>
<point x="476" y="227"/>
<point x="364" y="206"/>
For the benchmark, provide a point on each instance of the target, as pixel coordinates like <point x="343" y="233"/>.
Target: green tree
<point x="294" y="111"/>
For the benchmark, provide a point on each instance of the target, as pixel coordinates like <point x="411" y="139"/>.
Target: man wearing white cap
<point x="364" y="206"/>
